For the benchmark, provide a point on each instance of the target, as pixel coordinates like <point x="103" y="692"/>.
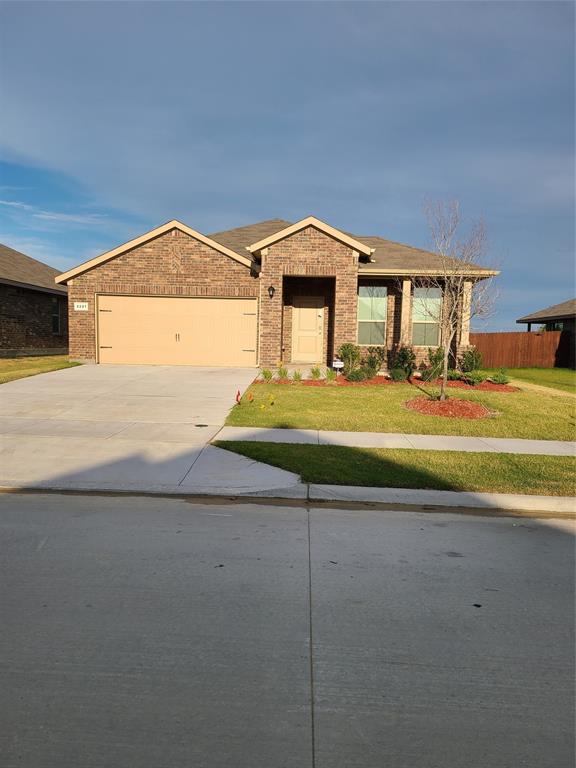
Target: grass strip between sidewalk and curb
<point x="409" y="468"/>
<point x="13" y="368"/>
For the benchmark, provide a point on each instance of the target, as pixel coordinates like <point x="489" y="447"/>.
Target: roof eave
<point x="32" y="287"/>
<point x="146" y="237"/>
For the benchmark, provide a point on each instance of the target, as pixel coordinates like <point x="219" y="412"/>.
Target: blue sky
<point x="119" y="116"/>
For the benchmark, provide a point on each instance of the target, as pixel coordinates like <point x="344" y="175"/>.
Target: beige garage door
<point x="174" y="331"/>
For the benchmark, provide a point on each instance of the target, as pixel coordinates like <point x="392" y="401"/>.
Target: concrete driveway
<point x="154" y="633"/>
<point x="125" y="427"/>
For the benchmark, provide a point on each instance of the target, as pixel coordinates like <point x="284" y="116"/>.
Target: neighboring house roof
<point x="23" y="271"/>
<point x="555" y="312"/>
<point x="380" y="256"/>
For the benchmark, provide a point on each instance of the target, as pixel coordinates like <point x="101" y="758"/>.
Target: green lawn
<point x="557" y="378"/>
<point x="12" y="368"/>
<point x="526" y="414"/>
<point x="405" y="468"/>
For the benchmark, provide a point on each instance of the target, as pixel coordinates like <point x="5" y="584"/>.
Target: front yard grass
<point x="406" y="468"/>
<point x="525" y="414"/>
<point x="563" y="379"/>
<point x="12" y="368"/>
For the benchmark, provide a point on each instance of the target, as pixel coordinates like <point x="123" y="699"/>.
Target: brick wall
<point x="26" y="321"/>
<point x="308" y="253"/>
<point x="173" y="264"/>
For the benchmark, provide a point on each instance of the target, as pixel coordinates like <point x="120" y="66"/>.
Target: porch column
<point x="406" y="313"/>
<point x="465" y="320"/>
<point x="270" y="316"/>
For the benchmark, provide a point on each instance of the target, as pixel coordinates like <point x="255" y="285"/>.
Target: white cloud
<point x="54" y="216"/>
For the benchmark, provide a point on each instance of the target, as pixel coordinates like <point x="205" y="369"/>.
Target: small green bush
<point x="454" y="375"/>
<point x="266" y="374"/>
<point x="429" y="374"/>
<point x="358" y="374"/>
<point x="471" y="360"/>
<point x="398" y="374"/>
<point x="501" y="377"/>
<point x="282" y="372"/>
<point x="378" y="352"/>
<point x="475" y="377"/>
<point x="350" y="356"/>
<point x="371" y="366"/>
<point x="331" y="375"/>
<point x="436" y="358"/>
<point x="405" y="359"/>
<point x="315" y="373"/>
<point x="297" y="375"/>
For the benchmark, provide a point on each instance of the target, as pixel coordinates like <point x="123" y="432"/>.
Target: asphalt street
<point x="164" y="633"/>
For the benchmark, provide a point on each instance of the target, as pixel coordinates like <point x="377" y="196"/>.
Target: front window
<point x="372" y="305"/>
<point x="55" y="315"/>
<point x="426" y="315"/>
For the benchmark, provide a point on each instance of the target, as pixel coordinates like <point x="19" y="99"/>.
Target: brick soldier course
<point x="309" y="258"/>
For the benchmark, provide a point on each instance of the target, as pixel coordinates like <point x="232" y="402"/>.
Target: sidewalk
<point x="398" y="440"/>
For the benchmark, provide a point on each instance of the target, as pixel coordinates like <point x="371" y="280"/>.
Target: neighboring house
<point x="560" y="317"/>
<point x="33" y="316"/>
<point x="251" y="296"/>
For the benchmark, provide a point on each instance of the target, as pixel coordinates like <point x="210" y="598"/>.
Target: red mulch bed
<point x="340" y="382"/>
<point x="485" y="386"/>
<point x="452" y="408"/>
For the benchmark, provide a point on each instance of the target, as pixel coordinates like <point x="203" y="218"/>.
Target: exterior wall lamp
<point x="271" y="291"/>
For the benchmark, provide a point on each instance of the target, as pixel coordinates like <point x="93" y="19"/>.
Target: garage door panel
<point x="177" y="331"/>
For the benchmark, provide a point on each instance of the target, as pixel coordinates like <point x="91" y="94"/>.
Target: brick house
<point x="251" y="296"/>
<point x="33" y="316"/>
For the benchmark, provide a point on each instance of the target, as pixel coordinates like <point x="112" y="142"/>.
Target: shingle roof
<point x="240" y="238"/>
<point x="555" y="312"/>
<point x="387" y="255"/>
<point x="16" y="267"/>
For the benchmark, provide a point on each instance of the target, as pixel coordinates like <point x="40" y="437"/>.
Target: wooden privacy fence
<point x="518" y="349"/>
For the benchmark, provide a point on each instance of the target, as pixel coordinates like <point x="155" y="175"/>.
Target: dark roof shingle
<point x="16" y="267"/>
<point x="557" y="311"/>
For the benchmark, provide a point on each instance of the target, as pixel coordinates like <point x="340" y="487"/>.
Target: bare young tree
<point x="463" y="287"/>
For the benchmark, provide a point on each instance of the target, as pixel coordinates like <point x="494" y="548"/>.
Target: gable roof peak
<point x="312" y="221"/>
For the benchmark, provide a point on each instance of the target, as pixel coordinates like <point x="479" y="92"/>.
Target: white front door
<point x="307" y="329"/>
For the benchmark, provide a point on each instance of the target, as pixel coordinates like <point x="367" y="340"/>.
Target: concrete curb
<point x="347" y="497"/>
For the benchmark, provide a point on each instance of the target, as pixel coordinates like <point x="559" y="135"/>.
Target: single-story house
<point x="251" y="296"/>
<point x="33" y="308"/>
<point x="559" y="317"/>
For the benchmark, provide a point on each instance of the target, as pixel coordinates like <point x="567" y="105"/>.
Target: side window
<point x="426" y="316"/>
<point x="55" y="315"/>
<point x="372" y="308"/>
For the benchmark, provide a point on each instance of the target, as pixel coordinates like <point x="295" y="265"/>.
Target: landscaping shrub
<point x="297" y="375"/>
<point x="358" y="374"/>
<point x="315" y="373"/>
<point x="267" y="374"/>
<point x="331" y="375"/>
<point x="406" y="360"/>
<point x="371" y="366"/>
<point x="500" y="377"/>
<point x="282" y="372"/>
<point x="350" y="356"/>
<point x="454" y="375"/>
<point x="378" y="352"/>
<point x="475" y="377"/>
<point x="436" y="358"/>
<point x="428" y="374"/>
<point x="398" y="374"/>
<point x="471" y="360"/>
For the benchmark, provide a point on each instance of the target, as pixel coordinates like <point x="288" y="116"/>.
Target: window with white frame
<point x="372" y="306"/>
<point x="426" y="316"/>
